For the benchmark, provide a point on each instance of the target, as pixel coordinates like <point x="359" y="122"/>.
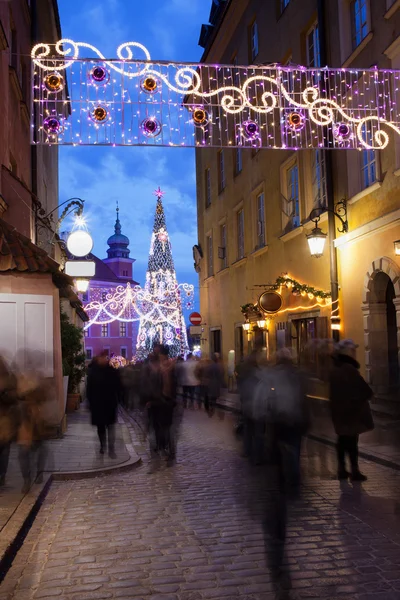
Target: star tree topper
<point x="159" y="193"/>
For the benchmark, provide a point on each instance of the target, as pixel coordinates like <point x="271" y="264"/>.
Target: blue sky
<point x="170" y="30"/>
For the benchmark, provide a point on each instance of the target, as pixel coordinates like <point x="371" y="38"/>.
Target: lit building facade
<point x="118" y="337"/>
<point x="254" y="205"/>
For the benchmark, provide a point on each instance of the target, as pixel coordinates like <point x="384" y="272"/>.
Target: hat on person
<point x="345" y="346"/>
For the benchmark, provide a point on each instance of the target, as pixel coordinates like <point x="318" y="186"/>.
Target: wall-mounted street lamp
<point x="246" y="326"/>
<point x="317" y="238"/>
<point x="261" y="323"/>
<point x="397" y="247"/>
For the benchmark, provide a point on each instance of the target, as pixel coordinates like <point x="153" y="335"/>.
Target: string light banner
<point x="131" y="101"/>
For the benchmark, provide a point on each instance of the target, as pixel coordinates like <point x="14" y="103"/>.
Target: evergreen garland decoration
<point x="300" y="288"/>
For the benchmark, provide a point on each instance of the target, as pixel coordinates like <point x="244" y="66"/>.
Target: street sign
<point x="195" y="318"/>
<point x="195" y="330"/>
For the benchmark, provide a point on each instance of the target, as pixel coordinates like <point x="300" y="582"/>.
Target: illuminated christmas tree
<point x="162" y="320"/>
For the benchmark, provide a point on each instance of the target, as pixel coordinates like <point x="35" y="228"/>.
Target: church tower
<point x="118" y="253"/>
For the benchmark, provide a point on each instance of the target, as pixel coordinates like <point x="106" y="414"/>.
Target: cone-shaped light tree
<point x="163" y="321"/>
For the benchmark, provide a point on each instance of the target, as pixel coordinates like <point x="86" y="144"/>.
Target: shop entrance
<point x="382" y="311"/>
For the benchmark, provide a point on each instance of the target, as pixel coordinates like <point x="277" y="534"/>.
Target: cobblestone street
<point x="194" y="531"/>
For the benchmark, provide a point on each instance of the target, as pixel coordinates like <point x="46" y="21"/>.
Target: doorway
<point x="382" y="350"/>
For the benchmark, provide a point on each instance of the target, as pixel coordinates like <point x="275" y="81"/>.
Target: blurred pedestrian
<point x="102" y="392"/>
<point x="253" y="411"/>
<point x="35" y="423"/>
<point x="190" y="381"/>
<point x="213" y="382"/>
<point x="9" y="416"/>
<point x="284" y="389"/>
<point x="351" y="413"/>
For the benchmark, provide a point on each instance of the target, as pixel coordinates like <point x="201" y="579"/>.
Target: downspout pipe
<point x="335" y="318"/>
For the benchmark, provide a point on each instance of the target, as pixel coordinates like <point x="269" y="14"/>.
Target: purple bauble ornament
<point x="52" y="125"/>
<point x="99" y="74"/>
<point x="151" y="127"/>
<point x="251" y="130"/>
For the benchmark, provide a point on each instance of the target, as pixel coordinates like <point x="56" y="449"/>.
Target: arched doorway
<point x="382" y="315"/>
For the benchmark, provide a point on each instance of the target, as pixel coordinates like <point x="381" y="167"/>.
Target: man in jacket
<point x="102" y="393"/>
<point x="350" y="409"/>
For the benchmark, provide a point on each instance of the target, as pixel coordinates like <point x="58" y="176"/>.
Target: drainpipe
<point x="335" y="318"/>
<point x="34" y="160"/>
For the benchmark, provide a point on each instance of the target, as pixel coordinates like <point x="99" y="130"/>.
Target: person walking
<point x="9" y="416"/>
<point x="213" y="382"/>
<point x="351" y="413"/>
<point x="102" y="393"/>
<point x="189" y="380"/>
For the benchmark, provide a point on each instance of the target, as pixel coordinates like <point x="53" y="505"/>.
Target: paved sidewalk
<point x="195" y="531"/>
<point x="381" y="445"/>
<point x="76" y="451"/>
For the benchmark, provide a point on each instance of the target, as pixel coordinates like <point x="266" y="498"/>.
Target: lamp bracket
<point x="340" y="212"/>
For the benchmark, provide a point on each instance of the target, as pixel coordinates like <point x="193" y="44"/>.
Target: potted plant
<point x="73" y="359"/>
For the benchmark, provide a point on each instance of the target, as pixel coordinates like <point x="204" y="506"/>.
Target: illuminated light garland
<point x="243" y="95"/>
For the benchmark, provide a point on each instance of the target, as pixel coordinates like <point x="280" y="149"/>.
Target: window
<point x="284" y="4"/>
<point x="122" y="329"/>
<point x="210" y="262"/>
<point x="293" y="205"/>
<point x="216" y="346"/>
<point x="87" y="332"/>
<point x="103" y="296"/>
<point x="319" y="178"/>
<point x="125" y="273"/>
<point x="238" y="161"/>
<point x="221" y="170"/>
<point x="104" y="330"/>
<point x="240" y="233"/>
<point x="253" y="40"/>
<point x="368" y="168"/>
<point x="124" y="352"/>
<point x="359" y="21"/>
<point x="208" y="187"/>
<point x="89" y="353"/>
<point x="313" y="52"/>
<point x="223" y="256"/>
<point x="260" y="221"/>
<point x="368" y="161"/>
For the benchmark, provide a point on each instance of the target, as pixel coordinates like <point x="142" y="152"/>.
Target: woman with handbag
<point x="350" y="409"/>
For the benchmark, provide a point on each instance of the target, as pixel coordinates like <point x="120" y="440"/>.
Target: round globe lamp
<point x="79" y="243"/>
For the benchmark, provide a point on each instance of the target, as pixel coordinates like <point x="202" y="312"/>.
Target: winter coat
<point x="213" y="378"/>
<point x="349" y="397"/>
<point x="36" y="411"/>
<point x="9" y="411"/>
<point x="103" y="387"/>
<point x="188" y="373"/>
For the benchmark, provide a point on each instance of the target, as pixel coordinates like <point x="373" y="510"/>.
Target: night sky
<point x="101" y="176"/>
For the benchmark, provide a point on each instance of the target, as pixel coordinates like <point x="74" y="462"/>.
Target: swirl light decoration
<point x="274" y="107"/>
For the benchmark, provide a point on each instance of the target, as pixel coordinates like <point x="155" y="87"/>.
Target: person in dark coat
<point x="214" y="378"/>
<point x="102" y="393"/>
<point x="350" y="409"/>
<point x="9" y="416"/>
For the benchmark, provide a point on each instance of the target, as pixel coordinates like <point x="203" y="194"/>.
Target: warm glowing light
<point x="316" y="242"/>
<point x="261" y="323"/>
<point x="246" y="326"/>
<point x="397" y="247"/>
<point x="82" y="285"/>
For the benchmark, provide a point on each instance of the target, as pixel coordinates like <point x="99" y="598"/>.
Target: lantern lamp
<point x="246" y="326"/>
<point x="397" y="247"/>
<point x="261" y="323"/>
<point x="316" y="242"/>
<point x="82" y="285"/>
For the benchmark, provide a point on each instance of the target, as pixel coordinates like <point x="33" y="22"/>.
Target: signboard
<point x="195" y="330"/>
<point x="195" y="318"/>
<point x="270" y="302"/>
